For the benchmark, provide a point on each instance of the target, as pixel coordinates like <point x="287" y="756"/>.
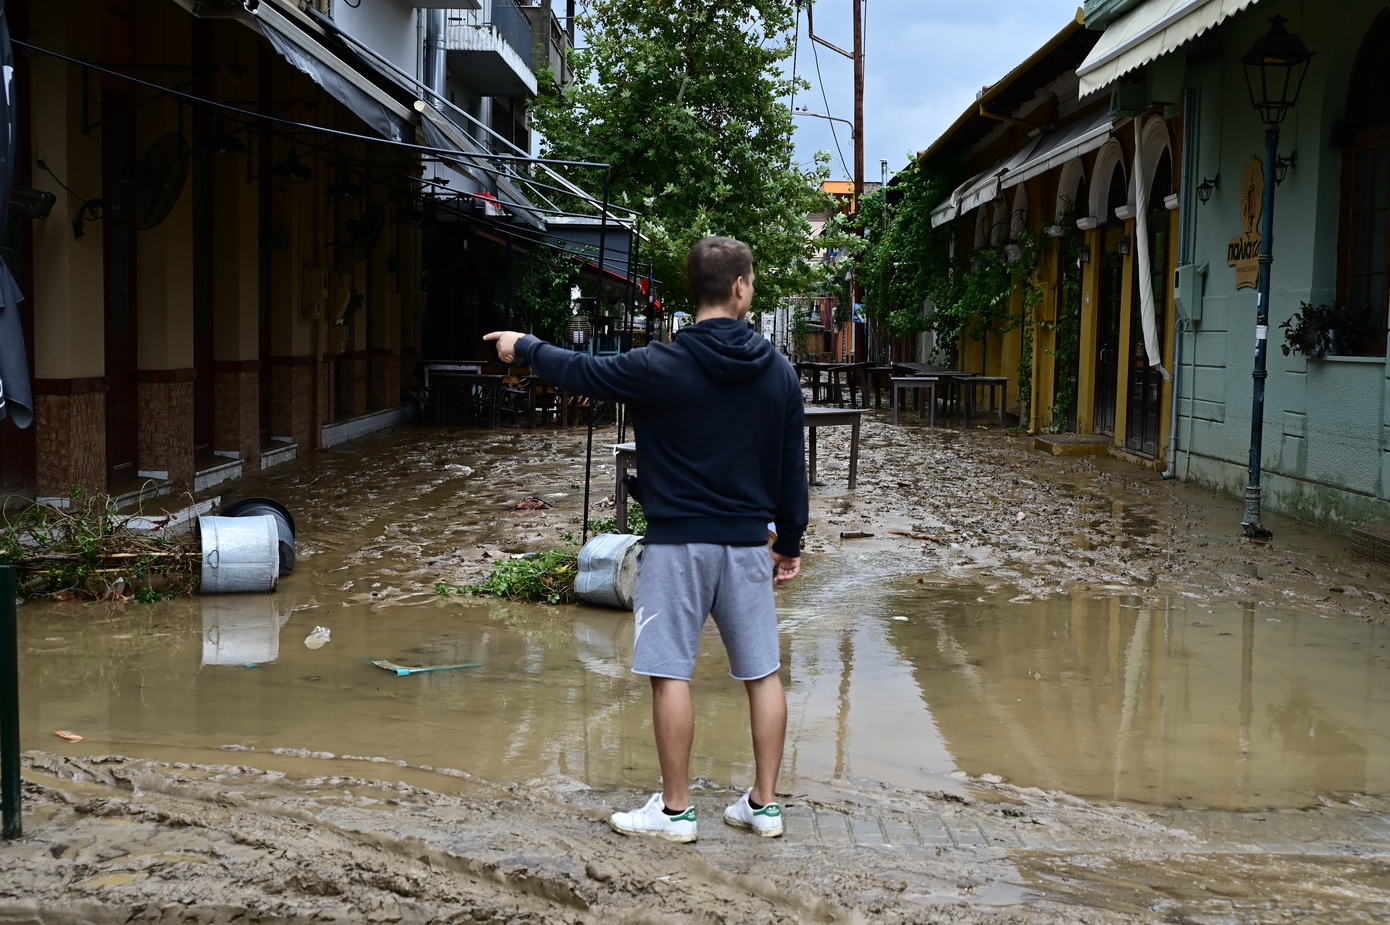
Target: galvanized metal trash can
<point x="608" y="570"/>
<point x="240" y="554"/>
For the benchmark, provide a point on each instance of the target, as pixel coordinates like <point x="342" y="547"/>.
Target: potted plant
<point x="1328" y="330"/>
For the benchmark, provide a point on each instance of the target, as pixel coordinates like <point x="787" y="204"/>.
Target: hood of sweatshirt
<point x="727" y="349"/>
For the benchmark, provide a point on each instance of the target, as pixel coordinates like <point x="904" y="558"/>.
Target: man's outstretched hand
<point x="506" y="344"/>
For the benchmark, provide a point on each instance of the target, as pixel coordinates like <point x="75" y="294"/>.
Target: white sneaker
<point x="766" y="822"/>
<point x="652" y="820"/>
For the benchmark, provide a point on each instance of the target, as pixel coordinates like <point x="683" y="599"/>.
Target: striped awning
<point x="1147" y="32"/>
<point x="981" y="188"/>
<point x="1058" y="147"/>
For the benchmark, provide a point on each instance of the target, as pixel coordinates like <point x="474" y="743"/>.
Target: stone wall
<point x="70" y="426"/>
<point x="166" y="425"/>
<point x="352" y="385"/>
<point x="237" y="411"/>
<point x="292" y="400"/>
<point x="385" y="380"/>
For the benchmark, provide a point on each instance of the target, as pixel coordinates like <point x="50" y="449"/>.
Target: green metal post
<point x="9" y="707"/>
<point x="1251" y="525"/>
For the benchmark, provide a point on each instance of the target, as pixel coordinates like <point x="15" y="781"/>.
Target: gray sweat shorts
<point x="680" y="584"/>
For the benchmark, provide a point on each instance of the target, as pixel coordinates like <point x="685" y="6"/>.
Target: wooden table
<point x="484" y="394"/>
<point x="445" y="368"/>
<point x="853" y="374"/>
<point x="919" y="384"/>
<point x="989" y="383"/>
<point x="875" y="376"/>
<point x="831" y="417"/>
<point x="625" y="454"/>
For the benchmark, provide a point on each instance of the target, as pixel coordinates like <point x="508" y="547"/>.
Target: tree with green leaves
<point x="687" y="102"/>
<point x="907" y="261"/>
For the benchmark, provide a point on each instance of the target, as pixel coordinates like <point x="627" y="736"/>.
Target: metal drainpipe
<point x="434" y="56"/>
<point x="1185" y="246"/>
<point x="1172" y="469"/>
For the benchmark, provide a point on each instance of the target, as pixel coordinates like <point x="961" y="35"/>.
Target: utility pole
<point x="855" y="290"/>
<point x="858" y="101"/>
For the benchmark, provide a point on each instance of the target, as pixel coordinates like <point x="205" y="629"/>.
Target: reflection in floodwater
<point x="242" y="629"/>
<point x="1157" y="701"/>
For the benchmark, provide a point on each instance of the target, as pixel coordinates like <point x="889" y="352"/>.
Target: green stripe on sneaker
<point x="771" y="810"/>
<point x="687" y="816"/>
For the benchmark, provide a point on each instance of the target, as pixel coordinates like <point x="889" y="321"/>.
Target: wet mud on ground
<point x="259" y="834"/>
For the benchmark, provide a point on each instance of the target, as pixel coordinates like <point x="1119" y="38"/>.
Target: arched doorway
<point x="1072" y="198"/>
<point x="1145" y="393"/>
<point x="1110" y="299"/>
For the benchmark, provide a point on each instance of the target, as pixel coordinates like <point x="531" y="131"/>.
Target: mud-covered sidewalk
<point x="262" y="836"/>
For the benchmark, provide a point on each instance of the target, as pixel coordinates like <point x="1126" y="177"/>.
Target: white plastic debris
<point x="318" y="638"/>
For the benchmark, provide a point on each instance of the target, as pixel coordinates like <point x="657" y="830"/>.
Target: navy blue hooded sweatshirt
<point x="719" y="421"/>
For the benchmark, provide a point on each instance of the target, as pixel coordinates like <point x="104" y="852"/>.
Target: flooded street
<point x="1023" y="643"/>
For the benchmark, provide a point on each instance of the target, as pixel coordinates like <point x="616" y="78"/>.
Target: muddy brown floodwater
<point x="1042" y="690"/>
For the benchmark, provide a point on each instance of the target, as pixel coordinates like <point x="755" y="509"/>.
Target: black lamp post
<point x="1274" y="70"/>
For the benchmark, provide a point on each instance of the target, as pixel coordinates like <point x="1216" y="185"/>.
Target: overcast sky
<point x="924" y="61"/>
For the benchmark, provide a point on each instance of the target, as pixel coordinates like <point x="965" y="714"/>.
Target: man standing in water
<point x="719" y="421"/>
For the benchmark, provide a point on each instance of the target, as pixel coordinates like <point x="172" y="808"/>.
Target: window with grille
<point x="1364" y="247"/>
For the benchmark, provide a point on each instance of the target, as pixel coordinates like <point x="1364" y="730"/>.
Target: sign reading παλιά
<point x="1243" y="252"/>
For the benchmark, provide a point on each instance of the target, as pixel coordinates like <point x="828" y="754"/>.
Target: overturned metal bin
<point x="240" y="554"/>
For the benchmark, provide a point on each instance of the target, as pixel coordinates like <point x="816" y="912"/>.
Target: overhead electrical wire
<point x="796" y="50"/>
<point x="481" y="161"/>
<point x="815" y="53"/>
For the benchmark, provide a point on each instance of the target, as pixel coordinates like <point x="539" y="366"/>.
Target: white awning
<point x="1058" y="147"/>
<point x="1147" y="32"/>
<point x="981" y="188"/>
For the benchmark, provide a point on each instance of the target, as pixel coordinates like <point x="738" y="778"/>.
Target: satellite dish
<point x="157" y="180"/>
<point x="366" y="231"/>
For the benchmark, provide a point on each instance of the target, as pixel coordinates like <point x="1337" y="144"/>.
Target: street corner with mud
<point x="129" y="830"/>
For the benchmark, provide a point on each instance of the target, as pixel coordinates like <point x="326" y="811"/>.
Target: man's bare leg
<point x="767" y="708"/>
<point x="673" y="720"/>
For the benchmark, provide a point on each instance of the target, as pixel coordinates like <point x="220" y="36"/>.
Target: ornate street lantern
<point x="1274" y="70"/>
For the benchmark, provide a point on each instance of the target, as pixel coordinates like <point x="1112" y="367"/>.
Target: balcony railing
<point x="504" y="17"/>
<point x="512" y="24"/>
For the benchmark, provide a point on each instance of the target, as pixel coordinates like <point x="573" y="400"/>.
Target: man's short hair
<point x="713" y="265"/>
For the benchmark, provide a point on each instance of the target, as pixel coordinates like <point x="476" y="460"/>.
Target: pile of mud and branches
<point x="91" y="550"/>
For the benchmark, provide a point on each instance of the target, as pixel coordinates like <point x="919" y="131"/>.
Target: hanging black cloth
<point x="16" y="392"/>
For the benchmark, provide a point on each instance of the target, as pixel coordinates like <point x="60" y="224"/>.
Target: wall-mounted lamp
<point x="1122" y="246"/>
<point x="1282" y="165"/>
<point x="1207" y="187"/>
<point x="221" y="144"/>
<point x="345" y="189"/>
<point x="1083" y="254"/>
<point x="292" y="169"/>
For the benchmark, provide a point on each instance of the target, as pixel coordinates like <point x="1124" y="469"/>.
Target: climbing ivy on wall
<point x="918" y="278"/>
<point x="987" y="305"/>
<point x="1067" y="326"/>
<point x="907" y="262"/>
